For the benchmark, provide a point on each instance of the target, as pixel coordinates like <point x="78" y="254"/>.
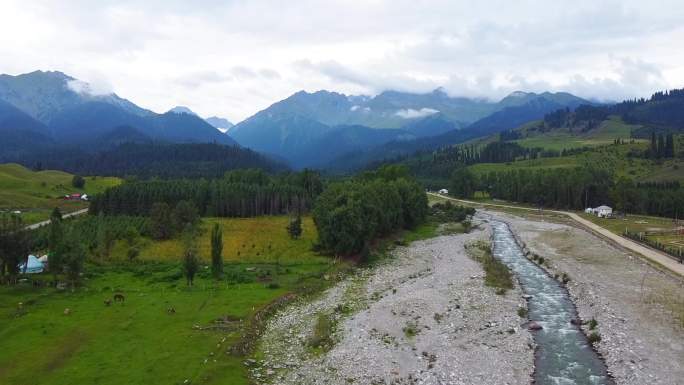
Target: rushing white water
<point x="563" y="355"/>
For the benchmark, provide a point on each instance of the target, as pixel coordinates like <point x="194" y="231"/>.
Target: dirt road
<point x="648" y="253"/>
<point x="44" y="223"/>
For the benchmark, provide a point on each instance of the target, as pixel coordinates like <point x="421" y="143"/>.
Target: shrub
<point x="322" y="333"/>
<point x="594" y="337"/>
<point x="411" y="329"/>
<point x="522" y="312"/>
<point x="592" y="324"/>
<point x="78" y="182"/>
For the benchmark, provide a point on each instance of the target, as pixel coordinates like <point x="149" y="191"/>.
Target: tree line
<point x="661" y="147"/>
<point x="575" y="189"/>
<point x="663" y="110"/>
<point x="240" y="193"/>
<point x="350" y="214"/>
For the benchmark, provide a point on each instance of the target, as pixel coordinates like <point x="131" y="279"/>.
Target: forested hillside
<point x="148" y="160"/>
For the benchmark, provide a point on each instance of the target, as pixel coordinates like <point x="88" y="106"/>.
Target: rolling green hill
<point x="36" y="193"/>
<point x="565" y="138"/>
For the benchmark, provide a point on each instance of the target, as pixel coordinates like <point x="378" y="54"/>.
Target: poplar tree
<point x="217" y="251"/>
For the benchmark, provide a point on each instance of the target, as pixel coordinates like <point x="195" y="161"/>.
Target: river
<point x="563" y="356"/>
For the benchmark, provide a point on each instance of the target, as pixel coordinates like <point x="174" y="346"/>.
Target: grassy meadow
<point x="255" y="240"/>
<point x="36" y="193"/>
<point x="43" y="345"/>
<point x="561" y="139"/>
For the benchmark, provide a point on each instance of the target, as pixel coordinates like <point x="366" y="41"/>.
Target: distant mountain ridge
<point x="220" y="124"/>
<point x="70" y="112"/>
<point x="292" y="127"/>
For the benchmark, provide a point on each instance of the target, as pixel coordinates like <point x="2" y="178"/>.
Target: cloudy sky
<point x="233" y="58"/>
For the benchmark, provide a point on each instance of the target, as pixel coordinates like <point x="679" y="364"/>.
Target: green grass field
<point x="257" y="240"/>
<point x="36" y="193"/>
<point x="42" y="345"/>
<point x="612" y="157"/>
<point x="560" y="139"/>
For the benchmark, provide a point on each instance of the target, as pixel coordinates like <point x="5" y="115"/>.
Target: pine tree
<point x="661" y="146"/>
<point x="669" y="146"/>
<point x="55" y="239"/>
<point x="654" y="145"/>
<point x="56" y="214"/>
<point x="14" y="245"/>
<point x="217" y="251"/>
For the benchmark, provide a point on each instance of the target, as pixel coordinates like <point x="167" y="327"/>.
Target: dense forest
<point x="240" y="193"/>
<point x="350" y="214"/>
<point x="663" y="111"/>
<point x="434" y="168"/>
<point x="573" y="189"/>
<point x="148" y="160"/>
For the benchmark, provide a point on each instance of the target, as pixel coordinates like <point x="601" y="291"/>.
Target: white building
<point x="444" y="191"/>
<point x="603" y="211"/>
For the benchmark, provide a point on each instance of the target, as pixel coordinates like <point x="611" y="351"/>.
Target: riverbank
<point x="423" y="316"/>
<point x="639" y="310"/>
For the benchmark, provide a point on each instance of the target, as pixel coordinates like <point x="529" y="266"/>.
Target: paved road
<point x="43" y="223"/>
<point x="646" y="252"/>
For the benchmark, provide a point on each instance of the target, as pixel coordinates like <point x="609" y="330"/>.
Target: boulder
<point x="534" y="326"/>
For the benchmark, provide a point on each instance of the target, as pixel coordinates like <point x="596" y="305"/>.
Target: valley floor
<point x="639" y="309"/>
<point x="423" y="316"/>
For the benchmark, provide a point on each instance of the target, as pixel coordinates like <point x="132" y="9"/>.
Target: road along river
<point x="563" y="354"/>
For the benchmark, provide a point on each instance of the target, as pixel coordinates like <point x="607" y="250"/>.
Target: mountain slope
<point x="284" y="134"/>
<point x="75" y="115"/>
<point x="148" y="160"/>
<point x="534" y="107"/>
<point x="20" y="133"/>
<point x="432" y="125"/>
<point x="293" y="125"/>
<point x="345" y="139"/>
<point x="43" y="95"/>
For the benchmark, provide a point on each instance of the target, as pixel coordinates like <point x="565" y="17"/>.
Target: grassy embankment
<point x="36" y="193"/>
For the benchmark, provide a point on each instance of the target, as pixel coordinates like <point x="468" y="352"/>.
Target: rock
<point x="534" y="326"/>
<point x="67" y="311"/>
<point x="526" y="296"/>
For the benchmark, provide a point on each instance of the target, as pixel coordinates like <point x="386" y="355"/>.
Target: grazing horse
<point x="118" y="297"/>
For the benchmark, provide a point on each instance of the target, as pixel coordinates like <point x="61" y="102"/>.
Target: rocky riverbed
<point x="638" y="309"/>
<point x="423" y="316"/>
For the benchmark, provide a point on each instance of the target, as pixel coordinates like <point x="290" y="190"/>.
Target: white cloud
<point x="237" y="57"/>
<point x="92" y="89"/>
<point x="410" y="113"/>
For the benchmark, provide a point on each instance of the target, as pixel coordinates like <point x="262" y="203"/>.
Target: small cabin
<point x="443" y="191"/>
<point x="73" y="197"/>
<point x="601" y="211"/>
<point x="604" y="211"/>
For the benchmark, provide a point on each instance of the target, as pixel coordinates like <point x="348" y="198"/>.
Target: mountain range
<point x="310" y="129"/>
<point x="56" y="109"/>
<point x="320" y="129"/>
